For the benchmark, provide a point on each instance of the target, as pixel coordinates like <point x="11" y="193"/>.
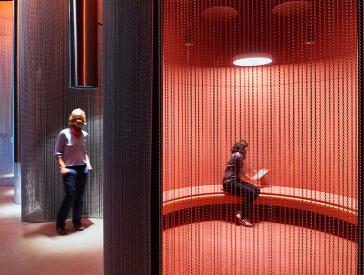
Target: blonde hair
<point x="77" y="112"/>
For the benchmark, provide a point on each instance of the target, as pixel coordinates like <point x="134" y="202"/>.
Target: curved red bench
<point x="332" y="205"/>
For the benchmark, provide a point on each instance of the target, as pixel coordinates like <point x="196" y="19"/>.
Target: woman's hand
<point x="87" y="169"/>
<point x="63" y="170"/>
<point x="88" y="164"/>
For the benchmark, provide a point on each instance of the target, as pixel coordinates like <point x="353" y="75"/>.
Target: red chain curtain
<point x="298" y="115"/>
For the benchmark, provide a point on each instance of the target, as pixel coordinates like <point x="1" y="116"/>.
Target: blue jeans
<point x="247" y="191"/>
<point x="74" y="187"/>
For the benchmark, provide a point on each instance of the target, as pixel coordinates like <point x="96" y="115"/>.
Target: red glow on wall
<point x="6" y="18"/>
<point x="294" y="127"/>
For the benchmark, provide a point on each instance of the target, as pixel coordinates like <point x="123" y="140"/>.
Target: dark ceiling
<point x="211" y="33"/>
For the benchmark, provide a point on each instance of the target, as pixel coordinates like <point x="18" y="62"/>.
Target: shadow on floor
<point x="49" y="229"/>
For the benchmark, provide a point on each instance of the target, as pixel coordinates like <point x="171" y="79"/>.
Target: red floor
<point x="218" y="247"/>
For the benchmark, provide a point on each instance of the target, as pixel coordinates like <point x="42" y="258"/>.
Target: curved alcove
<point x="312" y="184"/>
<point x="298" y="116"/>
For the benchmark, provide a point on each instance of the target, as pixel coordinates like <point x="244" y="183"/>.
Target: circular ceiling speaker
<point x="291" y="8"/>
<point x="182" y="1"/>
<point x="220" y="13"/>
<point x="252" y="59"/>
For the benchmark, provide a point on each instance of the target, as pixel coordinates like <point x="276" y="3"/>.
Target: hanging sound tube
<point x="83" y="44"/>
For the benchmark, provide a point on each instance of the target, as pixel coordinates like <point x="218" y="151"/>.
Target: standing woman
<point x="233" y="183"/>
<point x="74" y="165"/>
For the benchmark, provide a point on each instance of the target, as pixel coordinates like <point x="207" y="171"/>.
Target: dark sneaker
<point x="61" y="231"/>
<point x="79" y="227"/>
<point x="244" y="222"/>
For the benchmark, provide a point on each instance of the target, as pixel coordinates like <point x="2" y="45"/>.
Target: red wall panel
<point x="299" y="120"/>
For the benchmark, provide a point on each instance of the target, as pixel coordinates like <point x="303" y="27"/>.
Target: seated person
<point x="233" y="184"/>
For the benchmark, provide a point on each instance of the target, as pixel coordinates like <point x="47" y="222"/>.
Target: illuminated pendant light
<point x="252" y="59"/>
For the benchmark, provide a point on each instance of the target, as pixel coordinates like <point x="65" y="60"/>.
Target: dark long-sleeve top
<point x="234" y="168"/>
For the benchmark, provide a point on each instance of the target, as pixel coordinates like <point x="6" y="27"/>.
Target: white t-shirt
<point x="71" y="148"/>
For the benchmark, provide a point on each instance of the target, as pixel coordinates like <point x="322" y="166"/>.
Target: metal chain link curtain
<point x="360" y="27"/>
<point x="299" y="116"/>
<point x="45" y="103"/>
<point x="131" y="179"/>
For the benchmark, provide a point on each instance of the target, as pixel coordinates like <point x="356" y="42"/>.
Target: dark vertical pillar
<point x="15" y="85"/>
<point x="156" y="178"/>
<point x="360" y="137"/>
<point x="16" y="119"/>
<point x="131" y="117"/>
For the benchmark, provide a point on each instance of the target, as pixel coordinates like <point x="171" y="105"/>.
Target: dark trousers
<point x="74" y="187"/>
<point x="247" y="191"/>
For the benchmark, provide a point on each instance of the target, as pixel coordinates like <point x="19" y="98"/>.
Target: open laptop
<point x="260" y="174"/>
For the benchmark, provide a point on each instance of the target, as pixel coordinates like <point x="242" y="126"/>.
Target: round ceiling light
<point x="220" y="13"/>
<point x="252" y="59"/>
<point x="291" y="8"/>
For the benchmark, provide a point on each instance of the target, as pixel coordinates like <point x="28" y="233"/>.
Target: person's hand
<point x="87" y="169"/>
<point x="64" y="170"/>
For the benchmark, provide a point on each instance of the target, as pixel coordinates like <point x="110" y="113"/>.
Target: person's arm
<point x="88" y="163"/>
<point x="62" y="165"/>
<point x="238" y="161"/>
<point x="247" y="176"/>
<point x="61" y="140"/>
